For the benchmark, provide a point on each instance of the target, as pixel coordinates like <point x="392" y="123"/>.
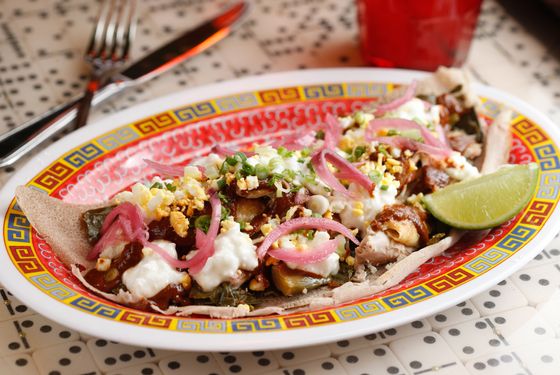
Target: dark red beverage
<point x="417" y="34"/>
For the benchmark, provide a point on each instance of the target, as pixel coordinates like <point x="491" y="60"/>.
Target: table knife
<point x="18" y="142"/>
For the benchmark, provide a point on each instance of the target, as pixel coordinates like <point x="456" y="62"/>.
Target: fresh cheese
<point x="326" y="267"/>
<point x="153" y="273"/>
<point x="233" y="250"/>
<point x="416" y="110"/>
<point x="359" y="213"/>
<point x="460" y="168"/>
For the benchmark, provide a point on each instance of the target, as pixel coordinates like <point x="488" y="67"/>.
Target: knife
<point x="19" y="141"/>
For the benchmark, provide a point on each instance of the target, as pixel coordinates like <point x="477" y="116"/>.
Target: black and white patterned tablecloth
<point x="513" y="328"/>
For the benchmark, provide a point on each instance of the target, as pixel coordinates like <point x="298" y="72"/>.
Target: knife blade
<point x="21" y="140"/>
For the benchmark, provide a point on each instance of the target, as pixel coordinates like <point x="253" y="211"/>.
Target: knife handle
<point x="20" y="141"/>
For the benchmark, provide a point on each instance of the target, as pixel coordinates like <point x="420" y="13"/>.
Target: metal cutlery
<point x="108" y="48"/>
<point x="186" y="45"/>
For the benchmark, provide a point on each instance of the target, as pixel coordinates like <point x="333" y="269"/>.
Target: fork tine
<point x="126" y="30"/>
<point x="110" y="31"/>
<point x="99" y="30"/>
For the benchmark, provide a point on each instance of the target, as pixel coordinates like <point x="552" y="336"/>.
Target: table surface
<point x="513" y="328"/>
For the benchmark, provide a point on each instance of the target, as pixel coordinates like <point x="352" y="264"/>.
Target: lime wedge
<point x="487" y="201"/>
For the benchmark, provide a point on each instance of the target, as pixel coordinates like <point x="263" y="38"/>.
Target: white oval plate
<point x="58" y="299"/>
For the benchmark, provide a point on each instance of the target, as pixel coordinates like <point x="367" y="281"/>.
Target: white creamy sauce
<point x="349" y="210"/>
<point x="211" y="164"/>
<point x="152" y="273"/>
<point x="414" y="110"/>
<point x="326" y="267"/>
<point x="462" y="169"/>
<point x="233" y="250"/>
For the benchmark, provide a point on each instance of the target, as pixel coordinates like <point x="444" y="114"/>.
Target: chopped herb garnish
<point x="358" y="152"/>
<point x="202" y="223"/>
<point x="382" y="149"/>
<point x="284" y="152"/>
<point x="223" y="198"/>
<point x="247" y="169"/>
<point x="170" y="187"/>
<point x="232" y="160"/>
<point x="375" y="176"/>
<point x="240" y="156"/>
<point x="221" y="183"/>
<point x="306" y="152"/>
<point x="261" y="171"/>
<point x="156" y="185"/>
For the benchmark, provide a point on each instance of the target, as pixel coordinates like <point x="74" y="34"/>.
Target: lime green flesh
<point x="487" y="201"/>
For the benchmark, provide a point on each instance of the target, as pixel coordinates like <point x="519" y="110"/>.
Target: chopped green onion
<point x="284" y="152"/>
<point x="221" y="183"/>
<point x="225" y="213"/>
<point x="382" y="149"/>
<point x="289" y="175"/>
<point x="274" y="163"/>
<point x="384" y="187"/>
<point x="202" y="223"/>
<point x="170" y="187"/>
<point x="261" y="171"/>
<point x="375" y="176"/>
<point x="224" y="168"/>
<point x="358" y="152"/>
<point x="240" y="156"/>
<point x="231" y="160"/>
<point x="223" y="198"/>
<point x="248" y="169"/>
<point x="306" y="152"/>
<point x="156" y="185"/>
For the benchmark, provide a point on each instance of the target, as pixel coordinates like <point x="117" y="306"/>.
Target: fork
<point x="108" y="48"/>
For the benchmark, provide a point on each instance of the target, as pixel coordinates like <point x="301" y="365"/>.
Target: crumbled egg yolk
<point x="179" y="223"/>
<point x="154" y="202"/>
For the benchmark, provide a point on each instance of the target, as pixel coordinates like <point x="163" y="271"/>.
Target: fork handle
<point x="20" y="141"/>
<point x="85" y="104"/>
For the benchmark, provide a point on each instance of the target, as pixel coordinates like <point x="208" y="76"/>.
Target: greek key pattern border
<point x="19" y="242"/>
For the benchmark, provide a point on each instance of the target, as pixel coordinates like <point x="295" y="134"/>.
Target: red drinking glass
<point x="416" y="34"/>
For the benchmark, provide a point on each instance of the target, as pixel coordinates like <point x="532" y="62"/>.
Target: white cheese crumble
<point x="153" y="202"/>
<point x="211" y="164"/>
<point x="361" y="212"/>
<point x="326" y="267"/>
<point x="233" y="250"/>
<point x="415" y="110"/>
<point x="462" y="169"/>
<point x="152" y="273"/>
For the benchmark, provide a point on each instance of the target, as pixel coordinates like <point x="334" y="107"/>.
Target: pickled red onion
<point x="402" y="124"/>
<point x="206" y="241"/>
<point x="349" y="171"/>
<point x="408" y="95"/>
<point x="295" y="141"/>
<point x="124" y="223"/>
<point x="226" y="151"/>
<point x="165" y="170"/>
<point x="333" y="131"/>
<point x="306" y="256"/>
<point x="303" y="223"/>
<point x="405" y="143"/>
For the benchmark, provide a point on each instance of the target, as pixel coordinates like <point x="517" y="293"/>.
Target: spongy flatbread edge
<point x="59" y="223"/>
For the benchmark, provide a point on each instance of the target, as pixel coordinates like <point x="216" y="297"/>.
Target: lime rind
<point x="487" y="201"/>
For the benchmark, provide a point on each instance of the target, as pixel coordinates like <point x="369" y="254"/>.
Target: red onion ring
<point x="306" y="256"/>
<point x="408" y="95"/>
<point x="166" y="170"/>
<point x="350" y="172"/>
<point x="303" y="223"/>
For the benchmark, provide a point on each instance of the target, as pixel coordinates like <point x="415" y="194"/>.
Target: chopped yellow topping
<point x="179" y="223"/>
